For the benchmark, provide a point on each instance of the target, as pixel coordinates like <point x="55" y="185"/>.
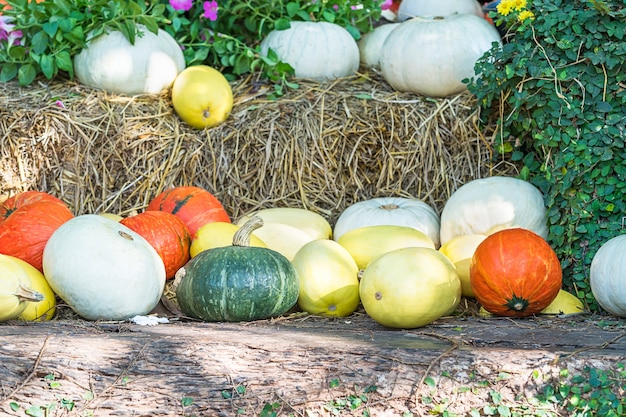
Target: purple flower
<point x="336" y="7"/>
<point x="181" y="4"/>
<point x="210" y="10"/>
<point x="59" y="103"/>
<point x="5" y="25"/>
<point x="386" y="4"/>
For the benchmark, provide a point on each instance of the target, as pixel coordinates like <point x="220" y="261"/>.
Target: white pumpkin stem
<point x="389" y="207"/>
<point x="26" y="294"/>
<point x="242" y="236"/>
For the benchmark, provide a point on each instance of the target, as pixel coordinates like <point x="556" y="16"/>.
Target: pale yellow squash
<point x="216" y="235"/>
<point x="310" y="222"/>
<point x="460" y="250"/>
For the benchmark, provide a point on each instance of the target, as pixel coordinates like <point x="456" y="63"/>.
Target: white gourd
<point x="111" y="63"/>
<point x="319" y="51"/>
<point x="412" y="8"/>
<point x="607" y="276"/>
<point x="102" y="269"/>
<point x="431" y="56"/>
<point x="370" y="45"/>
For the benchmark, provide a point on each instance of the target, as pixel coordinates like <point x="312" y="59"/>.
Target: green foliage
<point x="558" y="90"/>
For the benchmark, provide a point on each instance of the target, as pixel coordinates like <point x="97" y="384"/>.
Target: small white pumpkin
<point x="111" y="63"/>
<point x="371" y="43"/>
<point x="412" y="8"/>
<point x="487" y="205"/>
<point x="431" y="56"/>
<point x="393" y="211"/>
<point x="607" y="276"/>
<point x="319" y="51"/>
<point x="102" y="269"/>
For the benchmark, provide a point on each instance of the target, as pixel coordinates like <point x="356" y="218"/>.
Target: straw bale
<point x="322" y="146"/>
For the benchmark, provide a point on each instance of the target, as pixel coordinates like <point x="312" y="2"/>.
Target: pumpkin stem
<point x="26" y="294"/>
<point x="517" y="303"/>
<point x="389" y="207"/>
<point x="242" y="236"/>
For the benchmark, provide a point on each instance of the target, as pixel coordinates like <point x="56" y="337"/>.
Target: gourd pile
<point x="404" y="263"/>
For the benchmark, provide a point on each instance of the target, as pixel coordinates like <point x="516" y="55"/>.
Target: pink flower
<point x="386" y="4"/>
<point x="59" y="103"/>
<point x="181" y="4"/>
<point x="210" y="10"/>
<point x="336" y="7"/>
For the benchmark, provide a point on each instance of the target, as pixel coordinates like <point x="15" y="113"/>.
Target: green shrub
<point x="557" y="88"/>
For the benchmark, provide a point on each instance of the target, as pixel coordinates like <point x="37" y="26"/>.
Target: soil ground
<point x="298" y="365"/>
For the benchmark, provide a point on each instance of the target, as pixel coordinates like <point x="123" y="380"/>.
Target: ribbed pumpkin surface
<point x="237" y="283"/>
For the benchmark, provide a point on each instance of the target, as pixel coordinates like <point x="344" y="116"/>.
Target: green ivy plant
<point x="557" y="90"/>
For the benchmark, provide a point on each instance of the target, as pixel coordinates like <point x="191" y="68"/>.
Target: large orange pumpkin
<point x="193" y="205"/>
<point x="25" y="232"/>
<point x="167" y="234"/>
<point x="515" y="273"/>
<point x="11" y="204"/>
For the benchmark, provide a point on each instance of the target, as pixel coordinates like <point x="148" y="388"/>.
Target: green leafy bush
<point x="557" y="89"/>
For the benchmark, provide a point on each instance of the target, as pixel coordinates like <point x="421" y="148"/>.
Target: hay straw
<point x="322" y="147"/>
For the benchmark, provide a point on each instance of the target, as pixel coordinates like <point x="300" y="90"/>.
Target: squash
<point x="460" y="250"/>
<point x="202" y="96"/>
<point x="167" y="234"/>
<point x="410" y="287"/>
<point x="283" y="238"/>
<point x="44" y="309"/>
<point x="308" y="221"/>
<point x="218" y="234"/>
<point x="102" y="269"/>
<point x="193" y="205"/>
<point x="412" y="8"/>
<point x="237" y="282"/>
<point x="371" y="43"/>
<point x="397" y="211"/>
<point x="368" y="243"/>
<point x="431" y="56"/>
<point x="328" y="276"/>
<point x="11" y="204"/>
<point x="320" y="51"/>
<point x="515" y="273"/>
<point x="607" y="276"/>
<point x="565" y="303"/>
<point x="26" y="230"/>
<point x="487" y="205"/>
<point x="15" y="289"/>
<point x="111" y="63"/>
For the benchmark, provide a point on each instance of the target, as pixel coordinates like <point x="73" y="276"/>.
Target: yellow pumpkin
<point x="460" y="250"/>
<point x="15" y="288"/>
<point x="38" y="310"/>
<point x="367" y="243"/>
<point x="202" y="96"/>
<point x="217" y="235"/>
<point x="308" y="221"/>
<point x="410" y="287"/>
<point x="564" y="303"/>
<point x="329" y="283"/>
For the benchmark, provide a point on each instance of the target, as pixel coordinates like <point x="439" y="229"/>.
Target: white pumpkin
<point x="102" y="269"/>
<point x="431" y="56"/>
<point x="111" y="63"/>
<point x="370" y="45"/>
<point x="487" y="205"/>
<point x="393" y="211"/>
<point x="316" y="50"/>
<point x="607" y="276"/>
<point x="412" y="8"/>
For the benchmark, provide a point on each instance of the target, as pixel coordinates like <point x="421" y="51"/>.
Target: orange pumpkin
<point x="515" y="273"/>
<point x="13" y="203"/>
<point x="193" y="205"/>
<point x="167" y="234"/>
<point x="25" y="232"/>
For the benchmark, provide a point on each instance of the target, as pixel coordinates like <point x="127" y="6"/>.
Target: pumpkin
<point x="44" y="309"/>
<point x="218" y="234"/>
<point x="102" y="269"/>
<point x="515" y="273"/>
<point x="398" y="211"/>
<point x="111" y="63"/>
<point x="431" y="56"/>
<point x="24" y="198"/>
<point x="308" y="221"/>
<point x="368" y="243"/>
<point x="202" y="96"/>
<point x="319" y="51"/>
<point x="193" y="205"/>
<point x="412" y="8"/>
<point x="409" y="288"/>
<point x="565" y="303"/>
<point x="371" y="43"/>
<point x="237" y="282"/>
<point x="328" y="276"/>
<point x="607" y="276"/>
<point x="25" y="232"/>
<point x="167" y="234"/>
<point x="460" y="250"/>
<point x="283" y="238"/>
<point x="486" y="205"/>
<point x="15" y="289"/>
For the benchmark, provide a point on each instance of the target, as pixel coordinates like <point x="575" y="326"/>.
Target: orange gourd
<point x="515" y="273"/>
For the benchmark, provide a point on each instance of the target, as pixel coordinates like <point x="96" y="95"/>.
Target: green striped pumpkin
<point x="238" y="282"/>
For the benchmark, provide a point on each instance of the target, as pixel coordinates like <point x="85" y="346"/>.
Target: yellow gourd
<point x="15" y="289"/>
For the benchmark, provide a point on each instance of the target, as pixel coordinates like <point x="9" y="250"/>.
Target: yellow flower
<point x="526" y="14"/>
<point x="505" y="7"/>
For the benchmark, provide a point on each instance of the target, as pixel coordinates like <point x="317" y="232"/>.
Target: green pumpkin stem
<point x="26" y="294"/>
<point x="242" y="236"/>
<point x="517" y="303"/>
